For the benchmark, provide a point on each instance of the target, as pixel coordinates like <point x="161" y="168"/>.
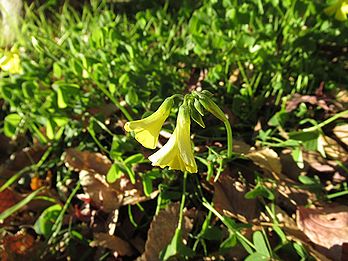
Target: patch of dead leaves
<point x="92" y="168"/>
<point x="327" y="228"/>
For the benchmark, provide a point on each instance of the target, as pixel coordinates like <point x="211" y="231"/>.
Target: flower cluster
<point x="177" y="153"/>
<point x="10" y="62"/>
<point x="339" y="8"/>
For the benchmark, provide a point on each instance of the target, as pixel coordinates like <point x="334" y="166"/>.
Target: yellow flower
<point x="147" y="130"/>
<point x="177" y="153"/>
<point x="339" y="8"/>
<point x="11" y="62"/>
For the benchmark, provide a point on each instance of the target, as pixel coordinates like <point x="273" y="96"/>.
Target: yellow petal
<point x="177" y="153"/>
<point x="147" y="130"/>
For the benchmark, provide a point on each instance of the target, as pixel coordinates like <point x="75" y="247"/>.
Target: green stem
<point x="322" y="124"/>
<point x="182" y="204"/>
<point x="229" y="138"/>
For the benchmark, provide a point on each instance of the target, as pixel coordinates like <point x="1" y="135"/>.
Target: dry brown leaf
<point x="100" y="192"/>
<point x="229" y="199"/>
<point x="93" y="168"/>
<point x="333" y="149"/>
<point x="268" y="160"/>
<point x="162" y="230"/>
<point x="326" y="227"/>
<point x="341" y="132"/>
<point x="293" y="233"/>
<point x="114" y="243"/>
<point x="296" y="99"/>
<point x="88" y="161"/>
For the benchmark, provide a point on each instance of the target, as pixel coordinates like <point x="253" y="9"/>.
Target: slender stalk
<point x="182" y="204"/>
<point x="229" y="138"/>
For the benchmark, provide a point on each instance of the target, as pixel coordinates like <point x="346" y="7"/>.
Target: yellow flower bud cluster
<point x="339" y="8"/>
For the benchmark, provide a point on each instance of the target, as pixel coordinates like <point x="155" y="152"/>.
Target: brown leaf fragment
<point x="333" y="149"/>
<point x="229" y="199"/>
<point x="268" y="160"/>
<point x="296" y="99"/>
<point x="114" y="243"/>
<point x="162" y="230"/>
<point x="88" y="161"/>
<point x="341" y="132"/>
<point x="8" y="198"/>
<point x="326" y="227"/>
<point x="17" y="246"/>
<point x="100" y="192"/>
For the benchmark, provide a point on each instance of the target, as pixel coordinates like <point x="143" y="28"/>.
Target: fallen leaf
<point x="89" y="161"/>
<point x="341" y="132"/>
<point x="92" y="168"/>
<point x="296" y="99"/>
<point x="162" y="230"/>
<point x="268" y="160"/>
<point x="326" y="227"/>
<point x="101" y="194"/>
<point x="114" y="243"/>
<point x="229" y="199"/>
<point x="333" y="149"/>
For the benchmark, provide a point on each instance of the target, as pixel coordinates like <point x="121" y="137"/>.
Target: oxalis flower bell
<point x="147" y="130"/>
<point x="177" y="153"/>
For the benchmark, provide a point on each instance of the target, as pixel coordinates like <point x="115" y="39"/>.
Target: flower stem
<point x="182" y="204"/>
<point x="229" y="138"/>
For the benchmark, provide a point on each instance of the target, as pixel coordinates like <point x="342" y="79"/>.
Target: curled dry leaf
<point x="229" y="199"/>
<point x="162" y="230"/>
<point x="268" y="160"/>
<point x="327" y="228"/>
<point x="296" y="99"/>
<point x="114" y="243"/>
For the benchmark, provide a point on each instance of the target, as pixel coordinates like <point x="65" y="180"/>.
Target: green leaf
<point x="147" y="185"/>
<point x="11" y="123"/>
<point x="114" y="173"/>
<point x="260" y="243"/>
<point x="260" y="191"/>
<point x="136" y="158"/>
<point x="44" y="224"/>
<point x="230" y="242"/>
<point x="176" y="247"/>
<point x="132" y="97"/>
<point x="257" y="257"/>
<point x="296" y="154"/>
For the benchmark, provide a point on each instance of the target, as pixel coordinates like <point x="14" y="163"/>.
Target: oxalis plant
<point x="177" y="153"/>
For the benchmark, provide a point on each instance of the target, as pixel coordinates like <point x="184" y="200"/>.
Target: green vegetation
<point x="77" y="74"/>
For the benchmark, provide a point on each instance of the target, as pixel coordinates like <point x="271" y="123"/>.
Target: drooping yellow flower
<point x="10" y="62"/>
<point x="339" y="8"/>
<point x="177" y="153"/>
<point x="147" y="130"/>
